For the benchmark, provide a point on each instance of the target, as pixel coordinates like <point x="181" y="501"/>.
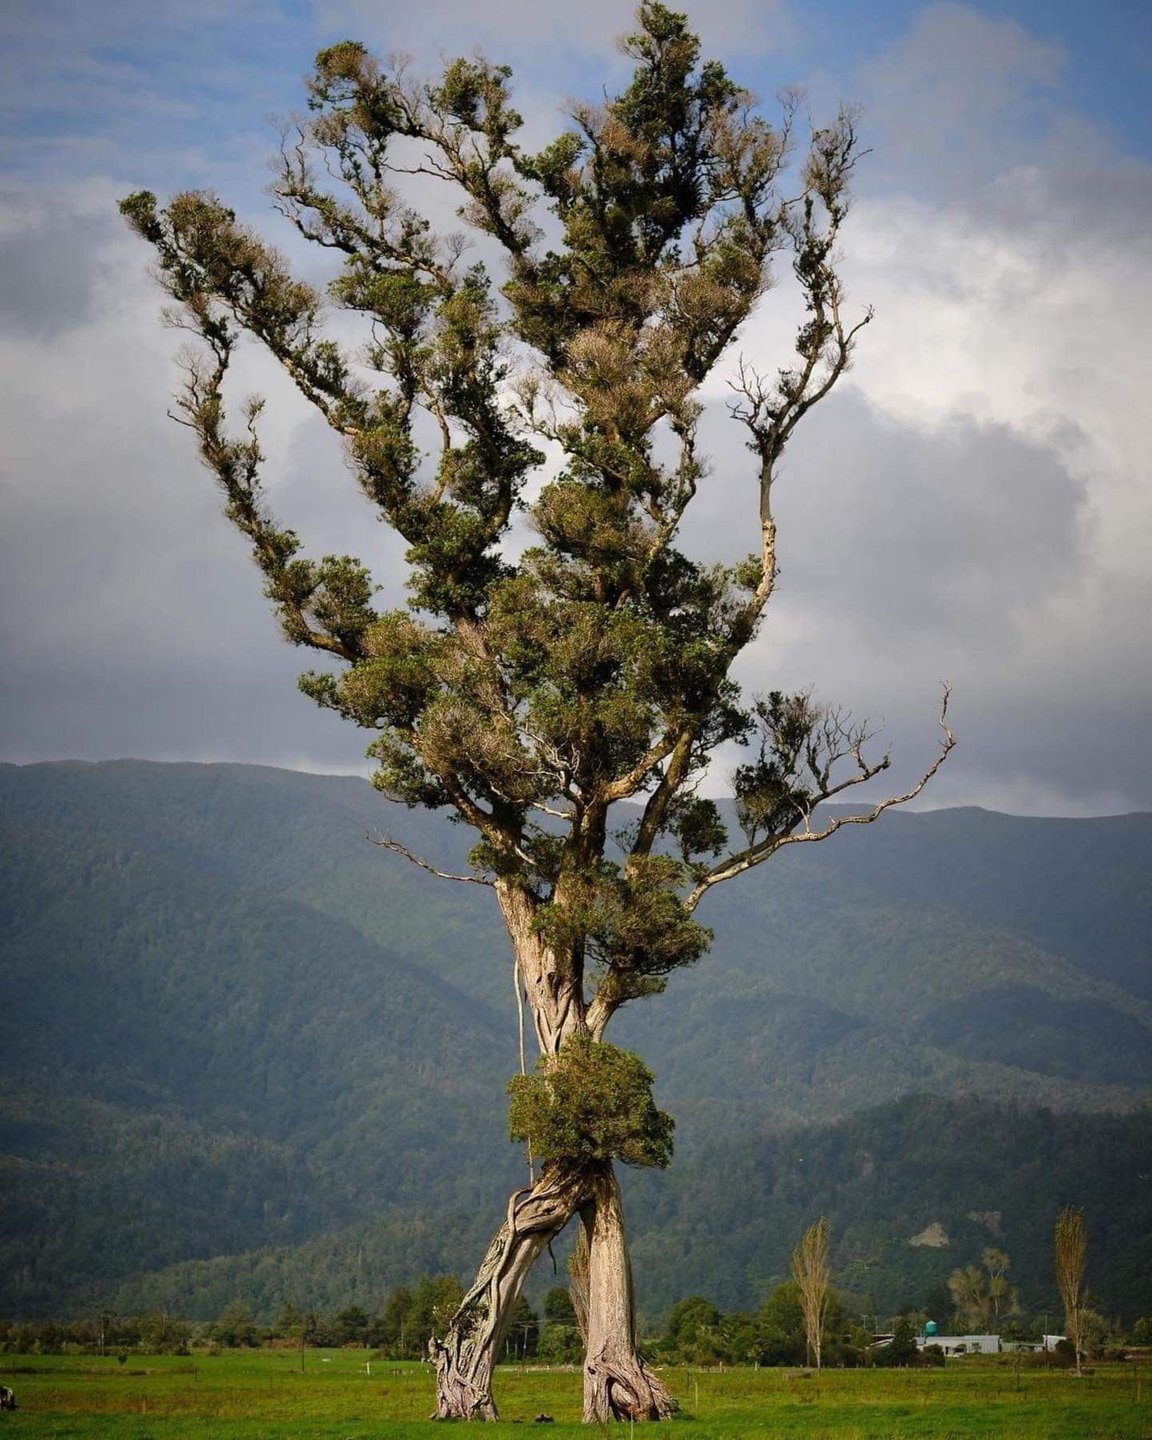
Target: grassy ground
<point x="262" y="1395"/>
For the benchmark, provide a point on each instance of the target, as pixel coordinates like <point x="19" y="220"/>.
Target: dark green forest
<point x="238" y="1042"/>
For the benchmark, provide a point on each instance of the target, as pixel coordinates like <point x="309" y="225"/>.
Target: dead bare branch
<point x="397" y="848"/>
<point x="755" y="854"/>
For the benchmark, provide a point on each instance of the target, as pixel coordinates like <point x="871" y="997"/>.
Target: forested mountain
<point x="234" y="1028"/>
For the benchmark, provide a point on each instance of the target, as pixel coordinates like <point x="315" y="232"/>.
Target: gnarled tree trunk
<point x="618" y="1385"/>
<point x="465" y="1357"/>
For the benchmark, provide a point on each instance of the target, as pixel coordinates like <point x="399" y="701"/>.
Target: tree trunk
<point x="465" y="1357"/>
<point x="618" y="1385"/>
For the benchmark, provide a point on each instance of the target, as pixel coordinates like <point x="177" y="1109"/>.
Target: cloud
<point x="962" y="90"/>
<point x="130" y="613"/>
<point x="974" y="502"/>
<point x="971" y="504"/>
<point x="45" y="258"/>
<point x="546" y="31"/>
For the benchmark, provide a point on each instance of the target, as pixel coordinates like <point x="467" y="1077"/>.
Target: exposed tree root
<point x="624" y="1388"/>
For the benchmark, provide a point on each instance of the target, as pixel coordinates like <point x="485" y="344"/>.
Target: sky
<point x="971" y="506"/>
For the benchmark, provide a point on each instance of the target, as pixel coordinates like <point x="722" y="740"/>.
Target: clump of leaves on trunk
<point x="592" y="1102"/>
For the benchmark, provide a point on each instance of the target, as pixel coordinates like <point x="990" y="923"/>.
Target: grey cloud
<point x="132" y="617"/>
<point x="101" y="705"/>
<point x="901" y="529"/>
<point x="909" y="557"/>
<point x="978" y="525"/>
<point x="49" y="265"/>
<point x="963" y="91"/>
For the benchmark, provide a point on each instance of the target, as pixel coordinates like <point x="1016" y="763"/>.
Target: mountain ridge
<point x="263" y="1014"/>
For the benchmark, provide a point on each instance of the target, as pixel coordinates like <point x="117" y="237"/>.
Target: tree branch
<point x="397" y="848"/>
<point x="753" y="855"/>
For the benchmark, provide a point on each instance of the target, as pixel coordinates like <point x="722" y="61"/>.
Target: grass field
<point x="262" y="1395"/>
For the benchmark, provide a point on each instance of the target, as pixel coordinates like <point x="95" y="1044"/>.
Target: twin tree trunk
<point x="617" y="1383"/>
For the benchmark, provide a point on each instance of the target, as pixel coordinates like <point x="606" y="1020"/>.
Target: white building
<point x="962" y="1344"/>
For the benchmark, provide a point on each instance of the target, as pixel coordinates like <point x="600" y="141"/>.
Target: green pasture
<point x="343" y="1395"/>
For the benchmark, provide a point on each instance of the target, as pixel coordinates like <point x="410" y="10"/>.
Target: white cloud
<point x="545" y="29"/>
<point x="971" y="505"/>
<point x="984" y="513"/>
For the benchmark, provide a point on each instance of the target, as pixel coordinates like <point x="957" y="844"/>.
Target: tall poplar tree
<point x="1070" y="1247"/>
<point x="535" y="691"/>
<point x="813" y="1276"/>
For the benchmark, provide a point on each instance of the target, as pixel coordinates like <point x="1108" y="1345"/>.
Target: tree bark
<point x="465" y="1357"/>
<point x="618" y="1385"/>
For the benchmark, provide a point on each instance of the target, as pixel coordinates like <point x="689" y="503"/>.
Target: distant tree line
<point x="804" y="1321"/>
<point x="695" y="1333"/>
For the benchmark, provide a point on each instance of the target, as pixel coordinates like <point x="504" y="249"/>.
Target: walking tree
<point x="562" y="676"/>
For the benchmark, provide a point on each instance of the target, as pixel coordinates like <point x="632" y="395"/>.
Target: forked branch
<point x="804" y="806"/>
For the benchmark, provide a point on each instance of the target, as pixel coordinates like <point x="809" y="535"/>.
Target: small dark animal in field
<point x="7" y="1398"/>
<point x="543" y="1420"/>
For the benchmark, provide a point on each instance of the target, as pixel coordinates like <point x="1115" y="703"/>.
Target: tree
<point x="902" y="1350"/>
<point x="984" y="1296"/>
<point x="396" y="1330"/>
<point x="693" y="1330"/>
<point x="536" y="694"/>
<point x="163" y="1334"/>
<point x="235" y="1327"/>
<point x="353" y="1326"/>
<point x="1070" y="1243"/>
<point x="560" y="1335"/>
<point x="812" y="1275"/>
<point x="523" y="1332"/>
<point x="558" y="1309"/>
<point x="780" y="1327"/>
<point x="289" y="1322"/>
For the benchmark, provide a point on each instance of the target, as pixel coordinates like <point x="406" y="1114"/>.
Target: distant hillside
<point x="986" y="1174"/>
<point x="191" y="1065"/>
<point x="963" y="1175"/>
<point x="231" y="1023"/>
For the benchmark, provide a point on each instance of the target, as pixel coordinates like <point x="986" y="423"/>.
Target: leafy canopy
<point x="531" y="692"/>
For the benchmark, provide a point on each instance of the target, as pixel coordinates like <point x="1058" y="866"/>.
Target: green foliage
<point x="780" y="1327"/>
<point x="631" y="923"/>
<point x="558" y="1306"/>
<point x="560" y="1342"/>
<point x="411" y="1315"/>
<point x="236" y="1326"/>
<point x="792" y="769"/>
<point x="592" y="1102"/>
<point x="902" y="1350"/>
<point x="694" y="1332"/>
<point x="523" y="1337"/>
<point x="595" y="667"/>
